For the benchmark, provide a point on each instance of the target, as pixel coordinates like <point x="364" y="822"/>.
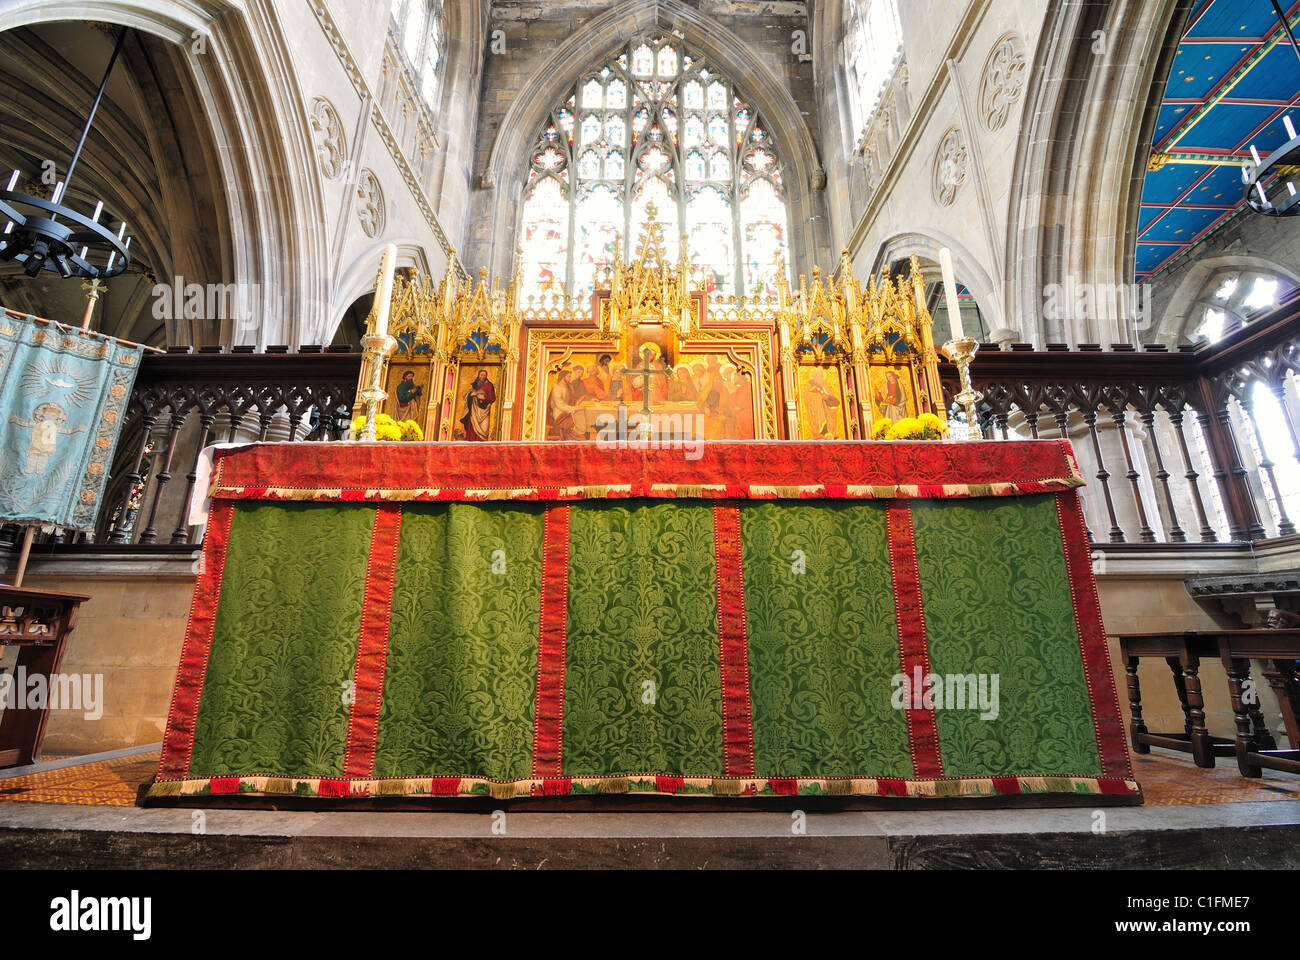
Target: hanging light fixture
<point x="1265" y="169"/>
<point x="48" y="235"/>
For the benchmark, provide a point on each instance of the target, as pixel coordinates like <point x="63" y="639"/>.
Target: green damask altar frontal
<point x="754" y="633"/>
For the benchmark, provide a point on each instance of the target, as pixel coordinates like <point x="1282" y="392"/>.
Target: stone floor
<point x="1192" y="818"/>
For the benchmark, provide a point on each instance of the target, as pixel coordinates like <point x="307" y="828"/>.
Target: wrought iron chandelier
<point x="48" y="235"/>
<point x="1279" y="165"/>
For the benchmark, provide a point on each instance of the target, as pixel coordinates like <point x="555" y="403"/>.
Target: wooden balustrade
<point x="1132" y="406"/>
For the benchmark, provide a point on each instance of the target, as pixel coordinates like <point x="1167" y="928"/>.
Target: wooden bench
<point x="1253" y="746"/>
<point x="1280" y="649"/>
<point x="1183" y="652"/>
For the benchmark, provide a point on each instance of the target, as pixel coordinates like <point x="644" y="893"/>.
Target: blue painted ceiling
<point x="1234" y="78"/>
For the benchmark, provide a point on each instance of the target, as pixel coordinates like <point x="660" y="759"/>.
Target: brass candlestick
<point x="377" y="347"/>
<point x="962" y="352"/>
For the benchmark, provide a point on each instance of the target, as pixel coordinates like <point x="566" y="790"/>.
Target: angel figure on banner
<point x="46" y="426"/>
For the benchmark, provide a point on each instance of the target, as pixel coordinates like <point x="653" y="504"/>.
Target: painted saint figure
<point x="408" y="397"/>
<point x="478" y="408"/>
<point x="892" y="401"/>
<point x="822" y="409"/>
<point x="560" y="409"/>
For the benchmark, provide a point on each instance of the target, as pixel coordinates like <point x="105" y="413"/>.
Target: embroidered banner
<point x="915" y="648"/>
<point x="63" y="396"/>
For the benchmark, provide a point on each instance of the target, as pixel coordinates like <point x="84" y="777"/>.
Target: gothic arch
<point x="507" y="162"/>
<point x="1172" y="325"/>
<point x="246" y="90"/>
<point x="359" y="278"/>
<point x="970" y="272"/>
<point x="1094" y="89"/>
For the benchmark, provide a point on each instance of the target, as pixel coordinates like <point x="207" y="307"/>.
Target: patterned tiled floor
<point x="1171" y="779"/>
<point x="109" y="783"/>
<point x="1167" y="780"/>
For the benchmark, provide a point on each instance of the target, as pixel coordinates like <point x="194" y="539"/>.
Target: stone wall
<point x="131" y="633"/>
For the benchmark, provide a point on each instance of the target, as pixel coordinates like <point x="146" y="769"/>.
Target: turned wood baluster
<point x="1090" y="419"/>
<point x="1258" y="725"/>
<point x="1238" y="672"/>
<point x="1062" y="417"/>
<point x="1202" y="752"/>
<point x="236" y="421"/>
<point x="264" y="424"/>
<point x="1238" y="502"/>
<point x="1284" y="524"/>
<point x="1136" y="723"/>
<point x="1176" y="532"/>
<point x="1146" y="534"/>
<point x="150" y="534"/>
<point x="1281" y="676"/>
<point x="119" y="533"/>
<point x="1180" y="688"/>
<point x="182" y="532"/>
<point x="1031" y="418"/>
<point x="1279" y="391"/>
<point x="1207" y="532"/>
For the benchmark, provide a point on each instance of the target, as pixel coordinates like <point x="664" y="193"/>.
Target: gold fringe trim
<point x="166" y="788"/>
<point x="616" y="785"/>
<point x="948" y="788"/>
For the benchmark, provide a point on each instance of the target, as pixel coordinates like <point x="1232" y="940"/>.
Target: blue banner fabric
<point x="63" y="399"/>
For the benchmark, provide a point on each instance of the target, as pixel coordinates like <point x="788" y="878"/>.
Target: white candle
<point x="384" y="295"/>
<point x="950" y="293"/>
<point x="1290" y="127"/>
<point x="1255" y="153"/>
<point x="99" y="208"/>
<point x="58" y="192"/>
<point x="13" y="181"/>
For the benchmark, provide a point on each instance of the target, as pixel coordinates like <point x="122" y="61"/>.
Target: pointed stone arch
<point x="504" y="176"/>
<point x="968" y="268"/>
<point x="1095" y="87"/>
<point x="245" y="86"/>
<point x="1174" y="322"/>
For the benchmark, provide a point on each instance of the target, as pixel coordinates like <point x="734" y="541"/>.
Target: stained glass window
<point x="654" y="126"/>
<point x="418" y="26"/>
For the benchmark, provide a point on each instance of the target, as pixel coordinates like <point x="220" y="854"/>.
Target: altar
<point x="771" y="619"/>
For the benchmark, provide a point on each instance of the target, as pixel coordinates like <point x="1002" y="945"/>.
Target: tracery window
<point x="657" y="126"/>
<point x="419" y="28"/>
<point x="1232" y="298"/>
<point x="873" y="43"/>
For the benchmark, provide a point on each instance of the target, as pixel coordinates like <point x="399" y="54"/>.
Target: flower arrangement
<point x="925" y="427"/>
<point x="386" y="428"/>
